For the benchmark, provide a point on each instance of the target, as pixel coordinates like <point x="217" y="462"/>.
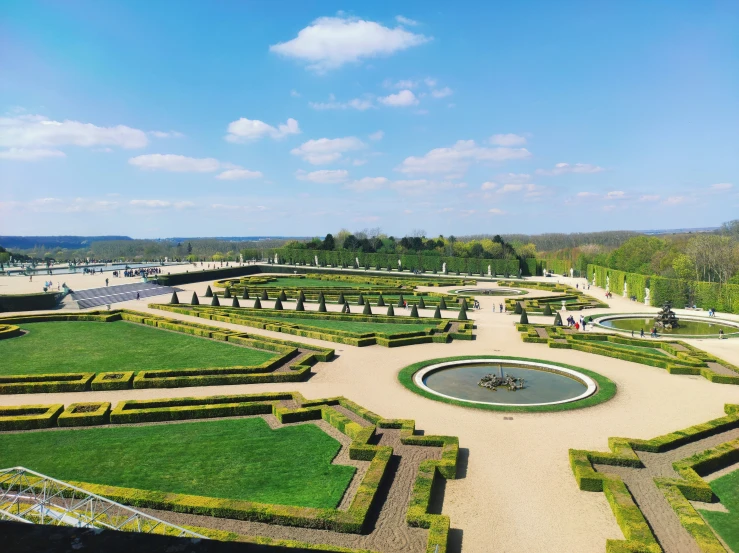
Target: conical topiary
<point x="322" y="306"/>
<point x="235" y="303"/>
<point x="282" y="296"/>
<point x="518" y="309"/>
<point x="367" y="309"/>
<point x="341" y="299"/>
<point x="547" y="309"/>
<point x="401" y="301"/>
<point x="264" y="295"/>
<point x="346" y="307"/>
<point x="245" y="295"/>
<point x="463" y="306"/>
<point x="299" y="306"/>
<point x="558" y="319"/>
<point x="360" y="300"/>
<point x="257" y="304"/>
<point x="227" y="293"/>
<point x="380" y="301"/>
<point x="421" y="303"/>
<point x="524" y="318"/>
<point x="462" y="315"/>
<point x="390" y="310"/>
<point x="278" y="304"/>
<point x="414" y="311"/>
<point x="194" y="300"/>
<point x="320" y="297"/>
<point x="301" y="296"/>
<point x="174" y="300"/>
<point x="208" y="292"/>
<point x="437" y="313"/>
<point x="214" y="302"/>
<point x="442" y="304"/>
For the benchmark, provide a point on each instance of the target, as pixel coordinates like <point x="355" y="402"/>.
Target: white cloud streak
<point x="404" y="98"/>
<point x="326" y="150"/>
<point x="456" y="159"/>
<point x="247" y="130"/>
<point x="565" y="168"/>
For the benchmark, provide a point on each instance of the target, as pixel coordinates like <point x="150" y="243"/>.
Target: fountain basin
<point x="546" y="384"/>
<point x="489" y="292"/>
<point x="690" y="327"/>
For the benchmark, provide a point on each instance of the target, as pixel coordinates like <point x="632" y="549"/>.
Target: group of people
<point x="571" y="321"/>
<point x="131" y="273"/>
<point x="609" y="295"/>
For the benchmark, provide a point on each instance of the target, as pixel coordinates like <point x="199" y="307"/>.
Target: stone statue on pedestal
<point x="647" y="299"/>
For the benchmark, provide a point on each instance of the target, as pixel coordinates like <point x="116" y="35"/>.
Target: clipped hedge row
<point x="678" y="492"/>
<point x="85" y="414"/>
<point x="30" y="302"/>
<point x="29" y="417"/>
<point x="45" y="383"/>
<point x="9" y="331"/>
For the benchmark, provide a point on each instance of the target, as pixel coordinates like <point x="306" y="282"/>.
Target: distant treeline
<point x="53" y="242"/>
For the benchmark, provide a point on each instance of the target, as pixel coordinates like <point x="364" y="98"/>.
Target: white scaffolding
<point x="31" y="497"/>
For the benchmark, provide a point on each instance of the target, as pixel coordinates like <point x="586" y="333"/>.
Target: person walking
<point x="138" y="296"/>
<point x="641" y="333"/>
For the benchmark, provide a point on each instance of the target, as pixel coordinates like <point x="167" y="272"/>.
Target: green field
<point x="231" y="459"/>
<point x="290" y="282"/>
<point x="362" y="327"/>
<point x="635" y="349"/>
<point x="726" y="525"/>
<point x="77" y="346"/>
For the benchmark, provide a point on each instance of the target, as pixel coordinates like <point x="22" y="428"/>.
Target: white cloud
<point x="509" y="139"/>
<point x="245" y="130"/>
<point x="151" y="204"/>
<point x="175" y="163"/>
<point x="38" y="131"/>
<point x="564" y="168"/>
<point x="456" y="160"/>
<point x="489" y="185"/>
<point x="406" y="21"/>
<point x="496" y="211"/>
<point x="238" y="174"/>
<point x="324" y="176"/>
<point x="57" y="205"/>
<point x="360" y="104"/>
<point x="430" y="82"/>
<point x="234" y="207"/>
<point x="30" y="154"/>
<point x="442" y="93"/>
<point x="587" y="195"/>
<point x="326" y="150"/>
<point x="295" y="94"/>
<point x="514" y="177"/>
<point x="375" y="136"/>
<point x="330" y="42"/>
<point x="675" y="200"/>
<point x="166" y="134"/>
<point x="722" y="186"/>
<point x="616" y="195"/>
<point x="649" y="198"/>
<point x="404" y="98"/>
<point x="414" y="187"/>
<point x="359" y="162"/>
<point x="367" y="183"/>
<point x="510" y="188"/>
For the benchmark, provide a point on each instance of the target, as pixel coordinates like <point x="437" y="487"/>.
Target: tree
<point x="257" y="304"/>
<point x="380" y="301"/>
<point x="390" y="310"/>
<point x="189" y="248"/>
<point x="299" y="306"/>
<point x="684" y="267"/>
<point x="235" y="303"/>
<point x="328" y="243"/>
<point x="174" y="300"/>
<point x="214" y="302"/>
<point x="278" y="304"/>
<point x="524" y="318"/>
<point x="367" y="309"/>
<point x="414" y="311"/>
<point x="194" y="300"/>
<point x="322" y="306"/>
<point x="208" y="292"/>
<point x="547" y="310"/>
<point x="442" y="304"/>
<point x="437" y="313"/>
<point x="245" y="295"/>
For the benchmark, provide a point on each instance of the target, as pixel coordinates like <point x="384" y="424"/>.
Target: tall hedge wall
<point x="420" y="261"/>
<point x="208" y="274"/>
<point x="30" y="302"/>
<point x="705" y="295"/>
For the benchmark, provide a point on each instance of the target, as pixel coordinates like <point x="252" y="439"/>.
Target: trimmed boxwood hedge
<point x="606" y="387"/>
<point x="678" y="491"/>
<point x="29" y="417"/>
<point x="85" y="414"/>
<point x="30" y="302"/>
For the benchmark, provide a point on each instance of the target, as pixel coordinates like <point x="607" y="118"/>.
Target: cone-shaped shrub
<point x="360" y="300"/>
<point x="437" y="313"/>
<point x="401" y="301"/>
<point x="322" y="306"/>
<point x="282" y="296"/>
<point x="257" y="304"/>
<point x="299" y="305"/>
<point x="367" y="309"/>
<point x="390" y="310"/>
<point x="227" y="293"/>
<point x="524" y="318"/>
<point x="194" y="300"/>
<point x="245" y="295"/>
<point x="208" y="292"/>
<point x="414" y="312"/>
<point x="175" y="300"/>
<point x="463" y="306"/>
<point x="278" y="304"/>
<point x="341" y="299"/>
<point x="547" y="309"/>
<point x="235" y="303"/>
<point x="214" y="302"/>
<point x="421" y="303"/>
<point x="558" y="319"/>
<point x="320" y="297"/>
<point x="264" y="295"/>
<point x="380" y="301"/>
<point x="442" y="304"/>
<point x="301" y="296"/>
<point x="518" y="309"/>
<point x="346" y="307"/>
<point x="462" y="315"/>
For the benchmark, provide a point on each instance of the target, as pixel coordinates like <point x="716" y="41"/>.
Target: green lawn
<point x="635" y="349"/>
<point x="726" y="525"/>
<point x="289" y="282"/>
<point x="361" y="327"/>
<point x="82" y="346"/>
<point x="231" y="459"/>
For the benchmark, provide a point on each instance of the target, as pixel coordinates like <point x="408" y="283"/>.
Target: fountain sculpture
<point x="493" y="381"/>
<point x="666" y="317"/>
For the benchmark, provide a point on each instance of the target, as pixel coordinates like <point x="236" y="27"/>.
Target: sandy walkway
<point x="514" y="472"/>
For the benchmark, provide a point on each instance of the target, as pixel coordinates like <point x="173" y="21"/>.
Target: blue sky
<point x="170" y="118"/>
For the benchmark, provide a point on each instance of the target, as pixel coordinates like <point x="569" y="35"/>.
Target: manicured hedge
<point x="206" y="274"/>
<point x="30" y="302"/>
<point x="45" y="383"/>
<point x="85" y="414"/>
<point x="9" y="331"/>
<point x="29" y="417"/>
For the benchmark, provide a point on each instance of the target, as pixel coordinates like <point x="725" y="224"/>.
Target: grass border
<point x="606" y="387"/>
<point x="667" y="336"/>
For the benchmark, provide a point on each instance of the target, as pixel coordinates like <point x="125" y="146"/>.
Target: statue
<point x="400" y="265"/>
<point x="443" y="268"/>
<point x="646" y="297"/>
<point x="489" y="271"/>
<point x="572" y="272"/>
<point x="492" y="381"/>
<point x="666" y="317"/>
<point x="626" y="289"/>
<point x="608" y="283"/>
<point x="593" y="278"/>
<point x="241" y="258"/>
<point x="315" y="257"/>
<point x="356" y="259"/>
<point x="277" y="259"/>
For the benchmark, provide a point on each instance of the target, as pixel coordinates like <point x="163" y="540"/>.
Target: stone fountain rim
<point x="597" y="322"/>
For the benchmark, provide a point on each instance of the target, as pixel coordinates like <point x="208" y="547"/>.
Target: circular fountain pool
<point x="545" y="384"/>
<point x="489" y="292"/>
<point x="689" y="326"/>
